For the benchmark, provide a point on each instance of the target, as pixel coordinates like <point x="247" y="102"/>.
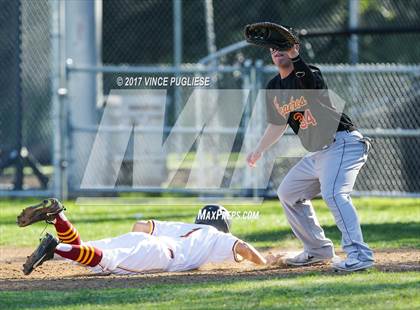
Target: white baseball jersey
<point x="170" y="246"/>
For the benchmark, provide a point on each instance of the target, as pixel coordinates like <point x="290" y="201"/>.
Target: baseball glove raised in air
<point x="270" y="35"/>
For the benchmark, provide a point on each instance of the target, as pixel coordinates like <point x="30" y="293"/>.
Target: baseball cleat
<point x="44" y="252"/>
<point x="352" y="264"/>
<point x="44" y="211"/>
<point x="304" y="259"/>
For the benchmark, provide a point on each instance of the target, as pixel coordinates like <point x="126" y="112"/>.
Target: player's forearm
<point x="271" y="135"/>
<point x="255" y="257"/>
<point x="248" y="252"/>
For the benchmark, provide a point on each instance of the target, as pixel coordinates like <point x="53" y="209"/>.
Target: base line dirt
<point x="63" y="275"/>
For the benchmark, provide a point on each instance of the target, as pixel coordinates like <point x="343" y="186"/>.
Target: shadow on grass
<point x="124" y="218"/>
<point x="165" y="287"/>
<point x="372" y="232"/>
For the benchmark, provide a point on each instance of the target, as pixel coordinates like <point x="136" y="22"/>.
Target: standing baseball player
<point x="329" y="169"/>
<point x="152" y="246"/>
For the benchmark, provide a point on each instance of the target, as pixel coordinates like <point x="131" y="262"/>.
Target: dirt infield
<point x="61" y="275"/>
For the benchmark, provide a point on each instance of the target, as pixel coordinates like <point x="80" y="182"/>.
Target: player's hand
<point x="293" y="52"/>
<point x="252" y="158"/>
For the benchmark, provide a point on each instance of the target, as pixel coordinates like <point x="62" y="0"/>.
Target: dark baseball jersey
<point x="310" y="112"/>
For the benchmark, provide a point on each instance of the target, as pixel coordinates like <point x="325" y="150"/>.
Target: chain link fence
<point x="140" y="32"/>
<point x="25" y="117"/>
<point x="9" y="77"/>
<point x="382" y="99"/>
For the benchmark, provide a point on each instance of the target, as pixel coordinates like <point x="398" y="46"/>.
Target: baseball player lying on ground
<point x="152" y="246"/>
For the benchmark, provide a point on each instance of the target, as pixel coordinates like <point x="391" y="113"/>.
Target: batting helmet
<point x="216" y="216"/>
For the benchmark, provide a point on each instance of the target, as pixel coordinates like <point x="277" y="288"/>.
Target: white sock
<point x="64" y="247"/>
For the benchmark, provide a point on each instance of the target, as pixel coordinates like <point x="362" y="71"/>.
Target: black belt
<point x="349" y="129"/>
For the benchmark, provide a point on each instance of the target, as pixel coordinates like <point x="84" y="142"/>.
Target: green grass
<point x="387" y="223"/>
<point x="370" y="290"/>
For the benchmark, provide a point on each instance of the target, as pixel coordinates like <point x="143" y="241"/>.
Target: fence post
<point x="353" y="24"/>
<point x="258" y="85"/>
<point x="56" y="105"/>
<point x="63" y="100"/>
<point x="246" y="86"/>
<point x="177" y="24"/>
<point x="81" y="49"/>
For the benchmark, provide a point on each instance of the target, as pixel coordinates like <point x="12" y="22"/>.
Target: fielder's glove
<point x="270" y="35"/>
